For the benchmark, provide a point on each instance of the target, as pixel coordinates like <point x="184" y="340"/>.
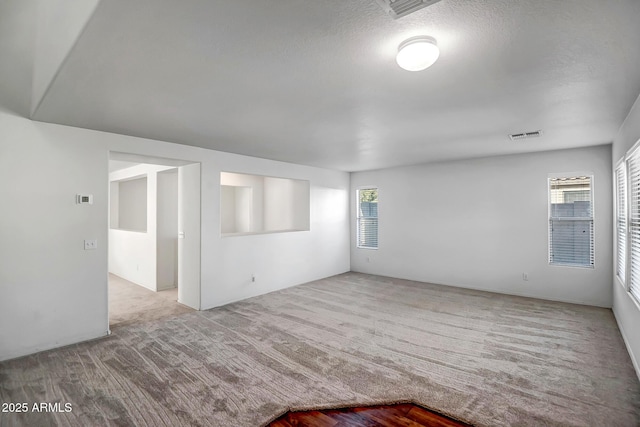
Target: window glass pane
<point x="571" y="221"/>
<point x="570" y="197"/>
<point x="367" y="227"/>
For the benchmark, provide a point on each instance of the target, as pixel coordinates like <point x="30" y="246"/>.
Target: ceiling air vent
<point x="525" y="135"/>
<point x="399" y="8"/>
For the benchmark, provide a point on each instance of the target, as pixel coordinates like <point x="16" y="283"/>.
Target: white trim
<point x="634" y="300"/>
<point x="621" y="162"/>
<point x="617" y="279"/>
<point x="629" y="246"/>
<point x="570" y="174"/>
<point x="358" y="189"/>
<point x="591" y="219"/>
<point x="634" y="361"/>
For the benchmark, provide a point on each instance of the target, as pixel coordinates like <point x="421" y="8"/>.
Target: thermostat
<point x="84" y="199"/>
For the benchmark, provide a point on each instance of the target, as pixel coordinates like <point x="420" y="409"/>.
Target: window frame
<point x="631" y="156"/>
<point x="631" y="287"/>
<point x="590" y="219"/>
<point x="621" y="211"/>
<point x="359" y="217"/>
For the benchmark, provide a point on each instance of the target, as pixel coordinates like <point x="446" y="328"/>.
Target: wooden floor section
<point x="405" y="415"/>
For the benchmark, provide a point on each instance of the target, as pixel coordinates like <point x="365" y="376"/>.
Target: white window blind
<point x="633" y="165"/>
<point x="367" y="218"/>
<point x="621" y="221"/>
<point x="571" y="221"/>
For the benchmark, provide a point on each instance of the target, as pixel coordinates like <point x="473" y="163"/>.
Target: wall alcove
<point x="254" y="204"/>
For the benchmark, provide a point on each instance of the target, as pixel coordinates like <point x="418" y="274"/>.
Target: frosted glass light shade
<point x="417" y="53"/>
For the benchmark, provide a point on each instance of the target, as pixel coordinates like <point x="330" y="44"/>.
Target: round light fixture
<point x="417" y="53"/>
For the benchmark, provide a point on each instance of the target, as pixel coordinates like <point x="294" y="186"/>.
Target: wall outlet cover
<point x="84" y="199"/>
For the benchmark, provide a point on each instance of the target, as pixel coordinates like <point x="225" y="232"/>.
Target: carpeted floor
<point x="353" y="339"/>
<point x="133" y="304"/>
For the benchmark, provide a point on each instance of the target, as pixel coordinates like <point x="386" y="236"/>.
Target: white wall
<point x="278" y="204"/>
<point x="167" y="231"/>
<point x="132" y="204"/>
<point x="284" y="258"/>
<point x="228" y="210"/>
<point x="627" y="311"/>
<point x="190" y="237"/>
<point x="286" y="204"/>
<point x="114" y="204"/>
<point x="236" y="207"/>
<point x="483" y="223"/>
<point x="255" y="221"/>
<point x="301" y="205"/>
<point x="54" y="293"/>
<point x="272" y="204"/>
<point x="133" y="254"/>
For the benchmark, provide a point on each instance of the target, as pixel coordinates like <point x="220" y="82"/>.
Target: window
<point x="367" y="218"/>
<point x="621" y="221"/>
<point x="627" y="204"/>
<point x="633" y="216"/>
<point x="571" y="221"/>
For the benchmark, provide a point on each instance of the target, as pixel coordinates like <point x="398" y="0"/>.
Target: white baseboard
<point x="634" y="361"/>
<point x="29" y="351"/>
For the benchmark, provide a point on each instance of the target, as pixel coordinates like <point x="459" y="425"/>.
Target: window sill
<point x="557" y="264"/>
<point x="126" y="230"/>
<point x="257" y="233"/>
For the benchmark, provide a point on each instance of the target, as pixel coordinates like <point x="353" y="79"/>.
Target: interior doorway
<point x="130" y="303"/>
<point x="154" y="238"/>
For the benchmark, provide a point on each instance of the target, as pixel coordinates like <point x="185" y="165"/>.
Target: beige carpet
<point x="489" y="359"/>
<point x="130" y="303"/>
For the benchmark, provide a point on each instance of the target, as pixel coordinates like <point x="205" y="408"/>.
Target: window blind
<point x="571" y="221"/>
<point x="367" y="218"/>
<point x="621" y="221"/>
<point x="633" y="164"/>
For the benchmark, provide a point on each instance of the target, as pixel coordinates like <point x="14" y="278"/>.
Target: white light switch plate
<point x="90" y="245"/>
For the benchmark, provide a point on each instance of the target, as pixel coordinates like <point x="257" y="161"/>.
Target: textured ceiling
<point x="316" y="83"/>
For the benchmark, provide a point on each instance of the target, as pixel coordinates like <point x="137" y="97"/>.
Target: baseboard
<point x="513" y="293"/>
<point x="634" y="361"/>
<point x="234" y="300"/>
<point x="54" y="346"/>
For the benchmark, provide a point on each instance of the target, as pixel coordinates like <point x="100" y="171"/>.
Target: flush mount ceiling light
<point x="417" y="53"/>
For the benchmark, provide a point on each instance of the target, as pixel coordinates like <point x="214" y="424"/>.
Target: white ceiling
<point x="315" y="82"/>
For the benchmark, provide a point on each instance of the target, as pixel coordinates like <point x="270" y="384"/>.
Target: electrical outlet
<point x="368" y="259"/>
<point x="90" y="245"/>
<point x="253" y="278"/>
<point x="525" y="277"/>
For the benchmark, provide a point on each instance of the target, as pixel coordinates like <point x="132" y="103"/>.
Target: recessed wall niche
<point x="254" y="204"/>
<point x="129" y="204"/>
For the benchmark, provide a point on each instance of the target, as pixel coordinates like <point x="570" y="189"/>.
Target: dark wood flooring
<point x="401" y="415"/>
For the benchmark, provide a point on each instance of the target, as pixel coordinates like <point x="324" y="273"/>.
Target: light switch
<point x="90" y="245"/>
